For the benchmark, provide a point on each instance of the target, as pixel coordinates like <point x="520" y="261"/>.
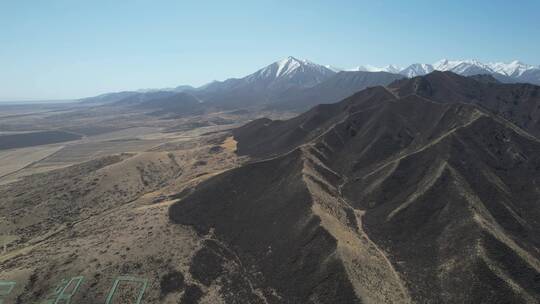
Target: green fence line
<point x="67" y="297"/>
<point x="144" y="283"/>
<point x="60" y="294"/>
<point x="6" y="287"/>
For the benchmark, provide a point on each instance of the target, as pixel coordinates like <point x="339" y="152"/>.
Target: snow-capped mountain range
<point x="289" y="75"/>
<point x="417" y="69"/>
<point x="294" y="81"/>
<point x="514" y="69"/>
<point x="308" y="73"/>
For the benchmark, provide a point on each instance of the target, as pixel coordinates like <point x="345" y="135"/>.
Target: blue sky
<point x="67" y="49"/>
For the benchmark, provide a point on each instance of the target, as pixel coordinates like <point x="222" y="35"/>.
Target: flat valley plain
<point x="95" y="204"/>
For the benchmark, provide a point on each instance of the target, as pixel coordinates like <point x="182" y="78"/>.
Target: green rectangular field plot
<point x="127" y="290"/>
<point x="6" y="287"/>
<point x="51" y="296"/>
<point x="69" y="290"/>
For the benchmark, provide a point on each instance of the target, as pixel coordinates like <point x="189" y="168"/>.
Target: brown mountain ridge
<point x="516" y="102"/>
<point x="418" y="193"/>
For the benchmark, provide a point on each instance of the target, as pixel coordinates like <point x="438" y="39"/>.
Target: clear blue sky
<point x="67" y="49"/>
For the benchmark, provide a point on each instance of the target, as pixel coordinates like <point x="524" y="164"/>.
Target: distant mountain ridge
<point x="298" y="84"/>
<point x="335" y="88"/>
<point x="287" y="84"/>
<point x="265" y="85"/>
<point x="515" y="71"/>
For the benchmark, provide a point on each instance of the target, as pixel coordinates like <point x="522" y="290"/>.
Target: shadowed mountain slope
<point x="339" y="86"/>
<point x="310" y="249"/>
<point x="137" y="98"/>
<point x="179" y="103"/>
<point x="518" y="103"/>
<point x="413" y="200"/>
<point x="265" y="137"/>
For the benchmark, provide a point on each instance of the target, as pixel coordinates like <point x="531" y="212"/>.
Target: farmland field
<point x="22" y="140"/>
<point x="16" y="159"/>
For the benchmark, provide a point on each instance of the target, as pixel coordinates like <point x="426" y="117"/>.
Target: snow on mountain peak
<point x="457" y="65"/>
<point x="417" y="69"/>
<point x="392" y="68"/>
<point x="333" y="68"/>
<point x="470" y="67"/>
<point x="370" y="68"/>
<point x="291" y="70"/>
<point x="514" y="69"/>
<point x="289" y="64"/>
